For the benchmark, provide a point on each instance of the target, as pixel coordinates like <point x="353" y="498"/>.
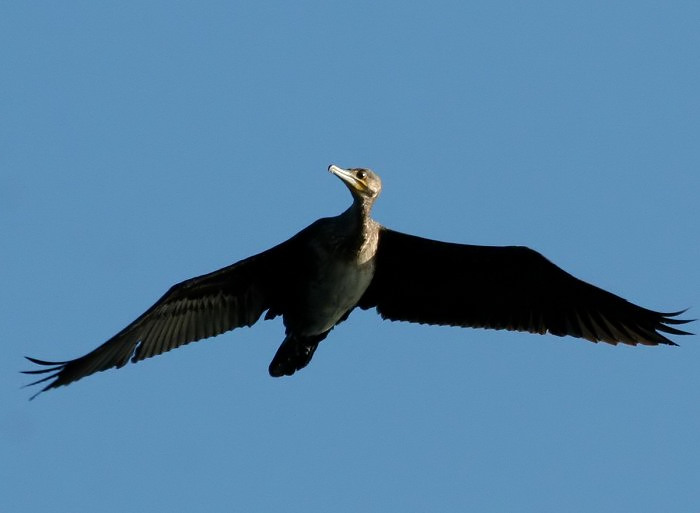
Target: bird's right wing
<point x="510" y="287"/>
<point x="192" y="310"/>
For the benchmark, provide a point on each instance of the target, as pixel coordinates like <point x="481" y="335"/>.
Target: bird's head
<point x="364" y="184"/>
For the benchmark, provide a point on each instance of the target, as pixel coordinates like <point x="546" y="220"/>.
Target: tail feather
<point x="294" y="354"/>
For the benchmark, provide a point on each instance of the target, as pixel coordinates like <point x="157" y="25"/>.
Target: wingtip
<point x="47" y="387"/>
<point x="43" y="362"/>
<point x="669" y="319"/>
<point x="53" y="367"/>
<point x="31" y="398"/>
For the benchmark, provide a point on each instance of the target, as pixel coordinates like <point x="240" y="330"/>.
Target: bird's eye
<point x="361" y="174"/>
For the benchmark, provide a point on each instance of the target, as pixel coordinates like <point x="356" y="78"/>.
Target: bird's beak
<point x="346" y="176"/>
<point x="338" y="171"/>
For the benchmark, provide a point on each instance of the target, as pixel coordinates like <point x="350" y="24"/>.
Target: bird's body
<point x="334" y="266"/>
<point x="315" y="279"/>
<point x="342" y="269"/>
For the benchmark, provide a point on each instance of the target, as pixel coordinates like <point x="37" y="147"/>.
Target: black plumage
<point x="316" y="278"/>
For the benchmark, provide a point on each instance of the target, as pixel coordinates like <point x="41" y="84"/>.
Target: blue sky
<point x="142" y="143"/>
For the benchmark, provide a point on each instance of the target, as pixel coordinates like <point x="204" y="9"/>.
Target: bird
<point x="318" y="277"/>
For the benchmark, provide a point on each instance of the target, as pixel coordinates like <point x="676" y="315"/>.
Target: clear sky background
<point x="142" y="143"/>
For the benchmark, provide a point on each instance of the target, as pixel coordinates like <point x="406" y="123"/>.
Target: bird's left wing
<point x="509" y="287"/>
<point x="192" y="310"/>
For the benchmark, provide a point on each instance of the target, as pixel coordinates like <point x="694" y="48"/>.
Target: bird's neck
<point x="358" y="217"/>
<point x="359" y="230"/>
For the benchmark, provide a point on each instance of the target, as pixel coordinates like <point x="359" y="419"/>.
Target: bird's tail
<point x="294" y="354"/>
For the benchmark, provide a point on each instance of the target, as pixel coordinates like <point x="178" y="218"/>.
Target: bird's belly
<point x="331" y="296"/>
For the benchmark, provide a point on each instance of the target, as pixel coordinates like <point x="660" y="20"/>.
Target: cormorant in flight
<point x="316" y="278"/>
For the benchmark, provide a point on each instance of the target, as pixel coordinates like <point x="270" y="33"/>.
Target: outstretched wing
<point x="512" y="287"/>
<point x="195" y="309"/>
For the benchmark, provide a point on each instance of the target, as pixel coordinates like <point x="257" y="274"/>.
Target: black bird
<point x="316" y="278"/>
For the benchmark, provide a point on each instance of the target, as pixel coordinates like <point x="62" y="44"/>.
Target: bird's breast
<point x="336" y="289"/>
